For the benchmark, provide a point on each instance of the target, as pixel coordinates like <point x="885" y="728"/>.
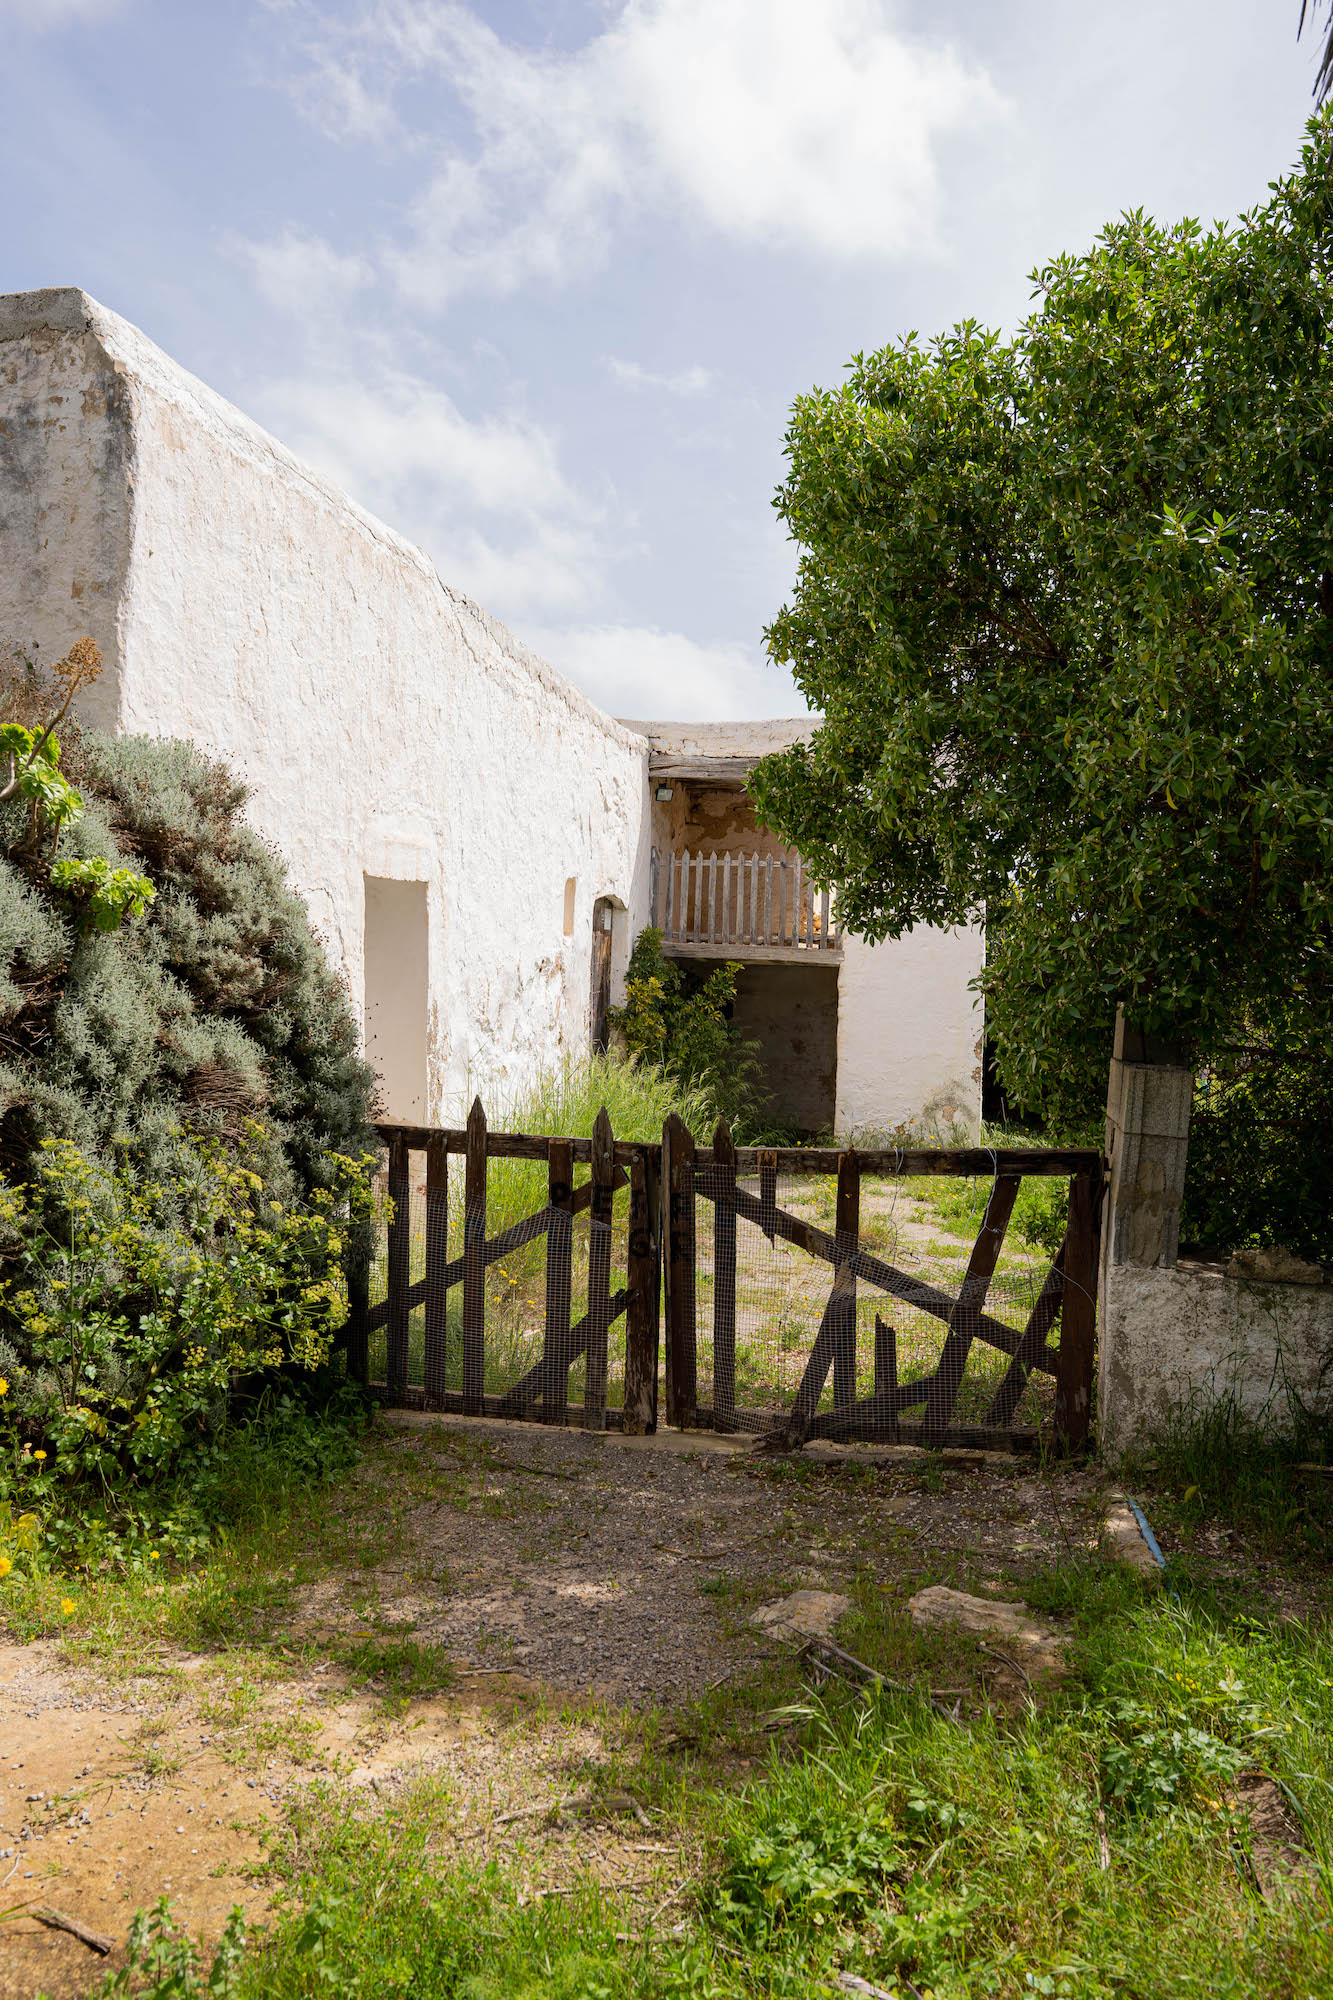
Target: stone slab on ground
<point x="937" y="1608"/>
<point x="805" y="1614"/>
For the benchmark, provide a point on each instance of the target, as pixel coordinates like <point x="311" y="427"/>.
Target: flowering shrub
<point x="129" y="1304"/>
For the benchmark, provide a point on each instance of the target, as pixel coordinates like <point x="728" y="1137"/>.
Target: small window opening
<point x="570" y="887"/>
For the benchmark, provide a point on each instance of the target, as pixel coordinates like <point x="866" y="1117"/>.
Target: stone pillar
<point x="1147" y="1138"/>
<point x="1148" y="1101"/>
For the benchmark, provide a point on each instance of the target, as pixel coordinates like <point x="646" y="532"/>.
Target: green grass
<point x="1091" y="1845"/>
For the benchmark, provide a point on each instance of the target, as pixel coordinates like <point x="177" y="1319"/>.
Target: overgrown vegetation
<point x="212" y="1010"/>
<point x="183" y="1115"/>
<point x="683" y="1027"/>
<point x="1097" y="1843"/>
<point x="1066" y="601"/>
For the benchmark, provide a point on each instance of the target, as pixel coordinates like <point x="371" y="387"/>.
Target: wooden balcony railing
<point x="754" y="902"/>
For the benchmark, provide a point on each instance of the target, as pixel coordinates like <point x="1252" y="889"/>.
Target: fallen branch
<point x="851" y="1984"/>
<point x="1009" y="1661"/>
<point x="56" y="1920"/>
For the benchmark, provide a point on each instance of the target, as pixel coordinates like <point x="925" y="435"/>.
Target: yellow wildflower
<point x="152" y="1555"/>
<point x="5" y="1565"/>
<point x="4" y="1386"/>
<point x="39" y="1456"/>
<point x="67" y="1607"/>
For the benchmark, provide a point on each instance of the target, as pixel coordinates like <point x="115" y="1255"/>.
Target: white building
<point x="477" y="842"/>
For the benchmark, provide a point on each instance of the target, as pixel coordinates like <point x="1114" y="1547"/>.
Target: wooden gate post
<point x="642" y="1315"/>
<point x="400" y="1194"/>
<point x="559" y="1278"/>
<point x="599" y="1272"/>
<point x="724" y="1278"/>
<point x="437" y="1256"/>
<point x="1078" y="1314"/>
<point x="678" y="1175"/>
<point x="847" y="1235"/>
<point x="474" y="1263"/>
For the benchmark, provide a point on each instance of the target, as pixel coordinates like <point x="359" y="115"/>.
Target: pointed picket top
<point x="724" y="1149"/>
<point x="476" y="1118"/>
<point x="603" y="1146"/>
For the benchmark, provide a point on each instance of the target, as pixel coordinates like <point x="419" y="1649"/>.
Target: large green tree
<point x="1066" y="603"/>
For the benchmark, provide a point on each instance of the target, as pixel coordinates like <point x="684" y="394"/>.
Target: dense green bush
<point x="1260" y="1170"/>
<point x="683" y="1026"/>
<point x="130" y="1303"/>
<point x="213" y="1009"/>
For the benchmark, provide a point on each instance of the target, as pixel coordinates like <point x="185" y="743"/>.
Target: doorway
<point x="396" y="995"/>
<point x="603" y="930"/>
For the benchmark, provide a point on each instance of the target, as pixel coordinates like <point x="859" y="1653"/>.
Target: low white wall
<point x="387" y="724"/>
<point x="1180" y="1336"/>
<point x="909" y="1034"/>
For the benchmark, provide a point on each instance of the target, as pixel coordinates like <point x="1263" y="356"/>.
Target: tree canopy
<point x="1066" y="603"/>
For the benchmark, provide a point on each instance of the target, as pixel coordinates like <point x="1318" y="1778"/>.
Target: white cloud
<point x="641" y="671"/>
<point x="693" y="381"/>
<point x="38" y="14"/>
<point x="485" y="497"/>
<point x="300" y="273"/>
<point x="798" y="124"/>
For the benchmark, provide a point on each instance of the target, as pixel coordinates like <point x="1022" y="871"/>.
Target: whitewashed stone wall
<point x="388" y="725"/>
<point x="909" y="1034"/>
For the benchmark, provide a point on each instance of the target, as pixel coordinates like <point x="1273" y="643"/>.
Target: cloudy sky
<point x="537" y="280"/>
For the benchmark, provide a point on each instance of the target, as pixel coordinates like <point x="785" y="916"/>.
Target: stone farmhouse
<point x="478" y="844"/>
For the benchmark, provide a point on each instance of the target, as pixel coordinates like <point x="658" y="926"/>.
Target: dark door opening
<point x="602" y="920"/>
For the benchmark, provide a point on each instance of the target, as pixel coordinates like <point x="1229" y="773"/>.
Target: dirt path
<point x="527" y="1563"/>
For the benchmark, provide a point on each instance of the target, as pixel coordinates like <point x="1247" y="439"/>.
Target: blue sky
<point x="538" y="283"/>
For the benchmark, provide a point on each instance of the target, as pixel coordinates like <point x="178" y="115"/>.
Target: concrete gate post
<point x="1148" y="1100"/>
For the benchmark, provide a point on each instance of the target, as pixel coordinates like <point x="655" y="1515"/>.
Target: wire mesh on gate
<point x="935" y="1308"/>
<point x="545" y="1280"/>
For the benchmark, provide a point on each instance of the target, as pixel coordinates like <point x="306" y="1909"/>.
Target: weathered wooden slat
<point x="768" y="937"/>
<point x="398" y="1259"/>
<point x="1078" y="1314"/>
<point x="971" y="1298"/>
<point x="526" y="1394"/>
<point x="491" y="1406"/>
<point x="798" y="894"/>
<point x="1032" y="1345"/>
<point x="847" y="1236"/>
<point x="509" y="1145"/>
<point x="980" y="1162"/>
<point x="681" y="1370"/>
<point x="667" y="908"/>
<point x="437" y="1259"/>
<point x="753" y="932"/>
<point x="643" y="1314"/>
<point x="912" y="1291"/>
<point x="886" y="1358"/>
<point x="474" y="1262"/>
<point x="509" y="1240"/>
<point x="821" y="1355"/>
<point x="556" y="1353"/>
<point x="599" y="1272"/>
<point x="724" y="1278"/>
<point x="824" y="938"/>
<point x="767" y="1217"/>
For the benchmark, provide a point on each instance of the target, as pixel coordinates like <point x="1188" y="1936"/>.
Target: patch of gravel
<point x="584" y="1562"/>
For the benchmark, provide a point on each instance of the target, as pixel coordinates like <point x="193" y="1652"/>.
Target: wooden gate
<point x="871" y="1404"/>
<point x="492" y="1294"/>
<point x="463" y="1317"/>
